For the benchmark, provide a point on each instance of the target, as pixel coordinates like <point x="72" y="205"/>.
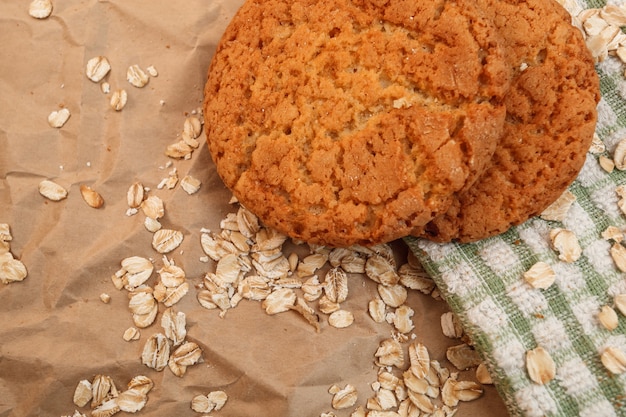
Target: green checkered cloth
<point x="483" y="284"/>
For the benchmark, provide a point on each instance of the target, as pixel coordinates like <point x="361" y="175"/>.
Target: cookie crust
<point x="354" y="121"/>
<point x="550" y="121"/>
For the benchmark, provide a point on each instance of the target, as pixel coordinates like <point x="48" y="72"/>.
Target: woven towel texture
<point x="505" y="317"/>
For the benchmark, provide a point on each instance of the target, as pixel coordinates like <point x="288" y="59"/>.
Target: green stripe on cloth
<point x="483" y="284"/>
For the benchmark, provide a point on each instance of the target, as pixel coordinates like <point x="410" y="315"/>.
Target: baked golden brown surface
<point x="365" y="121"/>
<point x="550" y="121"/>
<point x="350" y="122"/>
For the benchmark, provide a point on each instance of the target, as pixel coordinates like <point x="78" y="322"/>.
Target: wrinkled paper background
<point x="54" y="330"/>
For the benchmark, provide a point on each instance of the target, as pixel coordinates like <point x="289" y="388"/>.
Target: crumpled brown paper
<point x="54" y="330"/>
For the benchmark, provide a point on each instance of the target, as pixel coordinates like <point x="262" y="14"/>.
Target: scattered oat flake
<point x="174" y="325"/>
<point x="419" y="359"/>
<point x="307" y="312"/>
<point x="467" y="390"/>
<point x="215" y="400"/>
<point x="614" y="359"/>
<point x="619" y="155"/>
<point x="345" y="397"/>
<point x="192" y="127"/>
<point x="606" y="163"/>
<point x="170" y="274"/>
<point x="618" y="253"/>
<point x="187" y="354"/>
<point x="91" y="197"/>
<point x="132" y="333"/>
<point x="144" y="308"/>
<point x="482" y="375"/>
<point x="135" y="195"/>
<point x="152" y="71"/>
<point x="135" y="271"/>
<point x="613" y="233"/>
<point x="52" y="191"/>
<point x="5" y="233"/>
<point x="118" y="100"/>
<point x="463" y="356"/>
<point x="141" y="383"/>
<point x="101" y="387"/>
<point x="390" y="353"/>
<point x="166" y="240"/>
<point x="540" y="366"/>
<point x="566" y="243"/>
<point x="279" y="301"/>
<point x="416" y="278"/>
<point x="156" y="352"/>
<point x="620" y="303"/>
<point x="145" y="320"/>
<point x="422" y="402"/>
<point x="393" y="295"/>
<point x="174" y="295"/>
<point x="131" y="400"/>
<point x="341" y="319"/>
<point x="451" y="326"/>
<point x="376" y="309"/>
<point x="58" y="118"/>
<point x="83" y="393"/>
<point x="558" y="210"/>
<point x="608" y="317"/>
<point x="540" y="275"/>
<point x="190" y="184"/>
<point x="381" y="270"/>
<point x="402" y="319"/>
<point x="312" y="263"/>
<point x="153" y="207"/>
<point x="107" y="408"/>
<point x="40" y="9"/>
<point x="136" y="76"/>
<point x="141" y="302"/>
<point x="335" y="285"/>
<point x="597" y="145"/>
<point x="168" y="182"/>
<point x="179" y="150"/>
<point x="11" y="270"/>
<point x="97" y="68"/>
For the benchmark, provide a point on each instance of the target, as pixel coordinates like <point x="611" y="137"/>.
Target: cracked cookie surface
<point x="354" y="121"/>
<point x="549" y="126"/>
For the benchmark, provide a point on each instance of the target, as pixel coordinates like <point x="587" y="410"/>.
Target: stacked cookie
<point x="363" y="121"/>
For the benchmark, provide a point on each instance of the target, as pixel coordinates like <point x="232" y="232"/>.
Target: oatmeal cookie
<point x="550" y="121"/>
<point x="354" y="121"/>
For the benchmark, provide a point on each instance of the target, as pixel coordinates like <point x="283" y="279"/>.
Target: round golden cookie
<point x="550" y="121"/>
<point x="348" y="122"/>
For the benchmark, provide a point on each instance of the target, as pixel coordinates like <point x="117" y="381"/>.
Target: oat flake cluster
<point x="256" y="263"/>
<point x="169" y="347"/>
<point x="105" y="399"/>
<point x="541" y="276"/>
